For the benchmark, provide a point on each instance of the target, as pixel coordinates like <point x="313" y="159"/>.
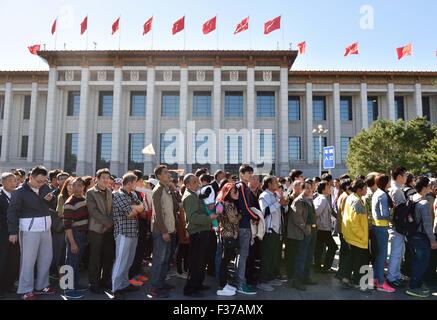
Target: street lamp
<point x="320" y="131"/>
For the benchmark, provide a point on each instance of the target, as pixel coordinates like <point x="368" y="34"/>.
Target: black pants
<point x="149" y="240"/>
<point x="359" y="257"/>
<point x="210" y="256"/>
<point x="324" y="238"/>
<point x="229" y="252"/>
<point x="102" y="252"/>
<point x="406" y="264"/>
<point x="9" y="264"/>
<point x="345" y="263"/>
<point x="253" y="263"/>
<point x="199" y="244"/>
<point x="373" y="247"/>
<point x="291" y="247"/>
<point x="182" y="257"/>
<point x="136" y="269"/>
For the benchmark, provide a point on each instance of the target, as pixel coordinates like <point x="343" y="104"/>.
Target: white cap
<point x="152" y="181"/>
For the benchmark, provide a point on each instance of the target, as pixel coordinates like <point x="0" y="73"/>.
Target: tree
<point x="389" y="144"/>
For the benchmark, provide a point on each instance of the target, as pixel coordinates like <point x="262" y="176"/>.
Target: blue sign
<point x="328" y="158"/>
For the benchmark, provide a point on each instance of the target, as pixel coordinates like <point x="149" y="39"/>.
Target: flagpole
<point x="151" y="46"/>
<point x="282" y="32"/>
<point x="86" y="37"/>
<point x="56" y="33"/>
<point x="217" y="31"/>
<point x="119" y="34"/>
<point x="184" y="33"/>
<point x="250" y="35"/>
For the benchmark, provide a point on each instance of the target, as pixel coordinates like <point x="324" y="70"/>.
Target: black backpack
<point x="404" y="217"/>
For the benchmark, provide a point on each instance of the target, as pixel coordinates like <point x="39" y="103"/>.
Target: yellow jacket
<point x="355" y="225"/>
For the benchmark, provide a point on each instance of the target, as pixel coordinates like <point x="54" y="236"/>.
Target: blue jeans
<point x="73" y="260"/>
<point x="245" y="236"/>
<point x="305" y="253"/>
<point x="420" y="253"/>
<point x="160" y="262"/>
<point x="396" y="254"/>
<point x="381" y="236"/>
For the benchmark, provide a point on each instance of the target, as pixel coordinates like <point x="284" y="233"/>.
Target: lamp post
<point x="320" y="131"/>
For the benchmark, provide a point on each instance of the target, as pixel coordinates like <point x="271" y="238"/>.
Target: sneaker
<point x="245" y="289"/>
<point x="425" y="289"/>
<point x="45" y="291"/>
<point x="73" y="294"/>
<point x="366" y="290"/>
<point x="81" y="289"/>
<point x="385" y="287"/>
<point x="396" y="284"/>
<point x="29" y="296"/>
<point x="346" y="284"/>
<point x="299" y="286"/>
<point x="230" y="288"/>
<point x="141" y="278"/>
<point x="182" y="275"/>
<point x="225" y="292"/>
<point x="136" y="283"/>
<point x="156" y="293"/>
<point x="275" y="283"/>
<point x="117" y="296"/>
<point x="264" y="286"/>
<point x="172" y="274"/>
<point x="417" y="293"/>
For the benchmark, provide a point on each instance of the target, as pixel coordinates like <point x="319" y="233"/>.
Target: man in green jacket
<point x="198" y="226"/>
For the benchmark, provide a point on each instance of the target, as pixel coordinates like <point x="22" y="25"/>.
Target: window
<point x="234" y="104"/>
<point x="202" y="104"/>
<point x="26" y="108"/>
<point x="202" y="144"/>
<point x="265" y="104"/>
<point x="71" y="143"/>
<point x="426" y="109"/>
<point x="2" y="107"/>
<point x="234" y="148"/>
<point x="264" y="142"/>
<point x="73" y="107"/>
<point x="399" y="108"/>
<point x="372" y="109"/>
<point x="104" y="146"/>
<point x="166" y="141"/>
<point x="293" y="108"/>
<point x="346" y="108"/>
<point x="316" y="146"/>
<point x="294" y="148"/>
<point x="170" y="105"/>
<point x="319" y="108"/>
<point x="138" y="100"/>
<point x="105" y="103"/>
<point x="24" y="146"/>
<point x="344" y="147"/>
<point x="136" y="158"/>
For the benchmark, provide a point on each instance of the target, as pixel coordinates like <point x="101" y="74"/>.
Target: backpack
<point x="404" y="217"/>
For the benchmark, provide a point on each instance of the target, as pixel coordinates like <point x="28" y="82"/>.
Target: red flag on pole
<point x="405" y="51"/>
<point x="242" y="26"/>
<point x="272" y="25"/>
<point x="84" y="25"/>
<point x="54" y="26"/>
<point x="352" y="49"/>
<point x="209" y="25"/>
<point x="116" y="25"/>
<point x="178" y="25"/>
<point x="302" y="47"/>
<point x="148" y="26"/>
<point x="34" y="49"/>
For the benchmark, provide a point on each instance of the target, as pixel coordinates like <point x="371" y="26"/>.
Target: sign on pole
<point x="328" y="158"/>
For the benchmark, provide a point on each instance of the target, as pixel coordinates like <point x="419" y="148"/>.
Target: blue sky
<point x="327" y="26"/>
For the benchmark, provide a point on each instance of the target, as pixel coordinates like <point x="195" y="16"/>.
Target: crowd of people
<point x="250" y="233"/>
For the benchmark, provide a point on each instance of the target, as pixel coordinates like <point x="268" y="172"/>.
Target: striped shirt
<point x="76" y="214"/>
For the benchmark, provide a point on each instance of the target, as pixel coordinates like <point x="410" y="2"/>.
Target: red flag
<point x="34" y="49"/>
<point x="179" y="25"/>
<point x="84" y="25"/>
<point x="302" y="47"/>
<point x="148" y="26"/>
<point x="209" y="25"/>
<point x="54" y="26"/>
<point x="116" y="25"/>
<point x="352" y="49"/>
<point x="405" y="51"/>
<point x="242" y="26"/>
<point x="272" y="25"/>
